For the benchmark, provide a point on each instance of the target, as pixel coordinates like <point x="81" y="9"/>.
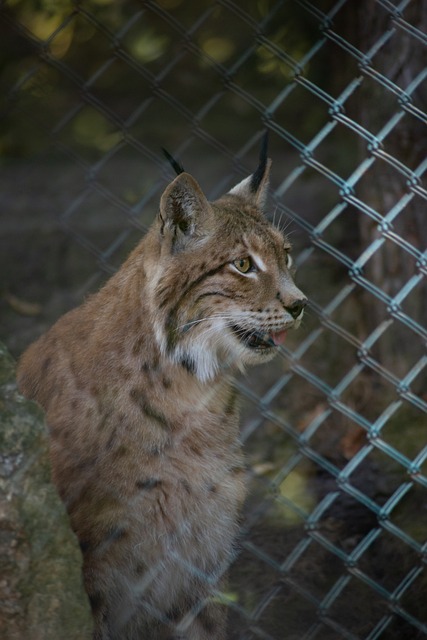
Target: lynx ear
<point x="183" y="207"/>
<point x="254" y="188"/>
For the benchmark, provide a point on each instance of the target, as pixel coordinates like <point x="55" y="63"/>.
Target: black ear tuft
<point x="178" y="168"/>
<point x="254" y="188"/>
<point x="260" y="171"/>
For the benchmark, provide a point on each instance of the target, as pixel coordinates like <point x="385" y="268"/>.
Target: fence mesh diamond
<point x="334" y="535"/>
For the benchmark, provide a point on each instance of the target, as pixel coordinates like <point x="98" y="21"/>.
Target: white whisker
<point x="207" y="318"/>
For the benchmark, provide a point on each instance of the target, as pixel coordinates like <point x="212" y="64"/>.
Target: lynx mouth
<point x="253" y="339"/>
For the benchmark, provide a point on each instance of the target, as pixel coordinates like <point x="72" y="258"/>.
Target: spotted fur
<point x="137" y="388"/>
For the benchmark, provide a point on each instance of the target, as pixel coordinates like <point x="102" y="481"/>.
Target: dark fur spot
<point x="137" y="397"/>
<point x="237" y="470"/>
<point x="174" y="614"/>
<point x="206" y="621"/>
<point x="46" y="364"/>
<point x="66" y="435"/>
<point x="89" y="412"/>
<point x="84" y="546"/>
<point x="164" y="295"/>
<point x="107" y="538"/>
<point x="189" y="365"/>
<point x="124" y="372"/>
<point x="111" y="440"/>
<point x="180" y="608"/>
<point x="116" y="533"/>
<point x="149" y="367"/>
<point x="149" y="483"/>
<point x="95" y="391"/>
<point x="138" y="345"/>
<point x="213" y="488"/>
<point x="120" y="451"/>
<point x="186" y="485"/>
<point x="103" y="422"/>
<point x="140" y="569"/>
<point x="86" y="464"/>
<point x="166" y="382"/>
<point x="231" y="403"/>
<point x="195" y="449"/>
<point x="171" y="332"/>
<point x="96" y="600"/>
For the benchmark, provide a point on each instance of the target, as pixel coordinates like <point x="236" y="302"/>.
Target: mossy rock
<point x="41" y="591"/>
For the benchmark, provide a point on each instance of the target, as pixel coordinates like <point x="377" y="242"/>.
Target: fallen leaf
<point x="23" y="307"/>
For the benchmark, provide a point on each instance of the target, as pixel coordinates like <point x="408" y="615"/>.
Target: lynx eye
<point x="289" y="260"/>
<point x="243" y="264"/>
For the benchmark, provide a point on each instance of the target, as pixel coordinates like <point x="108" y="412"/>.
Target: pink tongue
<point x="279" y="337"/>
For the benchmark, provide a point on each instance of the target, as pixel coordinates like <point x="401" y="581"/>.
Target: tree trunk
<point x="391" y="185"/>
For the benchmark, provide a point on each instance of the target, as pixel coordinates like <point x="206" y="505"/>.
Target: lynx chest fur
<point x="137" y="388"/>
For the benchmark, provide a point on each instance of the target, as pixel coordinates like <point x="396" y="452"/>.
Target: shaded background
<point x="335" y="534"/>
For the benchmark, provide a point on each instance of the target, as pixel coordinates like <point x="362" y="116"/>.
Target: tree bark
<point x="399" y="59"/>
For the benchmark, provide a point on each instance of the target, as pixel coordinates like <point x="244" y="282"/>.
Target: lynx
<point x="137" y="386"/>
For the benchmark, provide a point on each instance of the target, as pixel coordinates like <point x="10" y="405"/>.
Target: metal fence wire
<point x="334" y="535"/>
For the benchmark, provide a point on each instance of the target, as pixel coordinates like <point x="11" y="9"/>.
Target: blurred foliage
<point x="91" y="72"/>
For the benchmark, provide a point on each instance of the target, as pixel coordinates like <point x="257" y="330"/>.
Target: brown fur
<point x="137" y="389"/>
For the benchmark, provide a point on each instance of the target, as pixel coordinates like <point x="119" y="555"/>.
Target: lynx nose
<point x="296" y="307"/>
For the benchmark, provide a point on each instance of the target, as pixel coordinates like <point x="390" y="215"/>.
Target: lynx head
<point x="221" y="282"/>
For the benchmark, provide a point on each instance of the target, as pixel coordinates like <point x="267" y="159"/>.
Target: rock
<point x="41" y="590"/>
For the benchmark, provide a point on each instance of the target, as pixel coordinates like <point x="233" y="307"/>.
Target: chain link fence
<point x="334" y="538"/>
